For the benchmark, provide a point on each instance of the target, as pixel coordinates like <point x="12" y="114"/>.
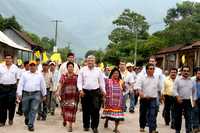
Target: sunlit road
<point x="54" y="125"/>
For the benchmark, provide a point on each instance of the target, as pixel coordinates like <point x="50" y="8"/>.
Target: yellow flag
<point x="45" y="58"/>
<point x="56" y="57"/>
<point x="37" y="54"/>
<point x="101" y="66"/>
<point x="183" y="59"/>
<point x="19" y="62"/>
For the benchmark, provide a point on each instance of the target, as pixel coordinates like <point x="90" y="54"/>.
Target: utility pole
<point x="136" y="39"/>
<point x="56" y="33"/>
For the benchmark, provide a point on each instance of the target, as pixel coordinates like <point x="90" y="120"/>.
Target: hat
<point x="33" y="62"/>
<point x="129" y="64"/>
<point x="52" y="63"/>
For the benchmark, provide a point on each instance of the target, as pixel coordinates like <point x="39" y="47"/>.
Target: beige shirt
<point x="168" y="87"/>
<point x="48" y="79"/>
<point x="63" y="68"/>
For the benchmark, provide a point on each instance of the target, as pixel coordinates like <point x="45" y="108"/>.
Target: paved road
<point x="54" y="125"/>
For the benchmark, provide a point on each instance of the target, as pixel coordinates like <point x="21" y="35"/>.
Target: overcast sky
<point x="90" y="21"/>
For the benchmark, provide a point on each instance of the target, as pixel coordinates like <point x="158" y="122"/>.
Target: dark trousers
<point x="91" y="104"/>
<point x="183" y="108"/>
<point x="7" y="102"/>
<point x="19" y="111"/>
<point x="148" y="113"/>
<point x="168" y="112"/>
<point x="43" y="108"/>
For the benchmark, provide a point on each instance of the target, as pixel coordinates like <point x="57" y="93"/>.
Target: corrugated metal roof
<point x="4" y="39"/>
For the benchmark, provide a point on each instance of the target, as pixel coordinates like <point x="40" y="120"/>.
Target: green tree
<point x="182" y="11"/>
<point x="9" y="22"/>
<point x="133" y="22"/>
<point x="99" y="54"/>
<point x="183" y="24"/>
<point x="129" y="25"/>
<point x="63" y="52"/>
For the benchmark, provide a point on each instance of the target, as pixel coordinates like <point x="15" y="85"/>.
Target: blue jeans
<point x="132" y="101"/>
<point x="148" y="108"/>
<point x="125" y="97"/>
<point x="196" y="115"/>
<point x="30" y="104"/>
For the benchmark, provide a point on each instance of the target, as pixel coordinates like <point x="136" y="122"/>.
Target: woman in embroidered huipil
<point x="113" y="109"/>
<point x="69" y="95"/>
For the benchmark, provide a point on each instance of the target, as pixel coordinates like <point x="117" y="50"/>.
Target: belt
<point x="92" y="90"/>
<point x="30" y="93"/>
<point x="7" y="84"/>
<point x="149" y="98"/>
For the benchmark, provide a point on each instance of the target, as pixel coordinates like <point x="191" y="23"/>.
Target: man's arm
<point x="102" y="82"/>
<point x="43" y="86"/>
<point x="20" y="87"/>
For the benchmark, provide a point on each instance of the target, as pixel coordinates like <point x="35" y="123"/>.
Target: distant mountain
<point x="86" y="23"/>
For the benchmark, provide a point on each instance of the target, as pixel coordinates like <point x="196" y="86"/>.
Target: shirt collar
<point x="185" y="78"/>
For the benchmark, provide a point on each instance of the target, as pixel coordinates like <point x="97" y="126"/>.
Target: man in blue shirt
<point x="196" y="109"/>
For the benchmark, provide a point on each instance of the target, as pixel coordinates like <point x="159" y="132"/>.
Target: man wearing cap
<point x="9" y="75"/>
<point x="63" y="68"/>
<point x="129" y="81"/>
<point x="31" y="86"/>
<point x="129" y="67"/>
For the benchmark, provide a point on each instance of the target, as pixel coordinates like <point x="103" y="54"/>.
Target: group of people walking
<point x="39" y="88"/>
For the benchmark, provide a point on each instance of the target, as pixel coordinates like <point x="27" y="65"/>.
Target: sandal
<point x="116" y="131"/>
<point x="70" y="129"/>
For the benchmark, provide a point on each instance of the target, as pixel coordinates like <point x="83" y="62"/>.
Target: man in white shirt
<point x="63" y="68"/>
<point x="26" y="68"/>
<point x="91" y="85"/>
<point x="53" y="87"/>
<point x="9" y="75"/>
<point x="45" y="105"/>
<point x="129" y="81"/>
<point x="31" y="86"/>
<point x="131" y="93"/>
<point x="149" y="88"/>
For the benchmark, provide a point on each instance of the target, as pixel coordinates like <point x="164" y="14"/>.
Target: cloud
<point x="192" y="0"/>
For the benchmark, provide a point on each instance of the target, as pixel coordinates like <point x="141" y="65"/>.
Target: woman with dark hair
<point x="69" y="96"/>
<point x="114" y="99"/>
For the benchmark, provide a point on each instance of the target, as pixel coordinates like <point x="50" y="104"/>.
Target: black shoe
<point x="26" y="121"/>
<point x="52" y="113"/>
<point x="86" y="129"/>
<point x="106" y="125"/>
<point x="38" y="118"/>
<point x="31" y="129"/>
<point x="95" y="130"/>
<point x="10" y="122"/>
<point x="19" y="113"/>
<point x="2" y="124"/>
<point x="44" y="119"/>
